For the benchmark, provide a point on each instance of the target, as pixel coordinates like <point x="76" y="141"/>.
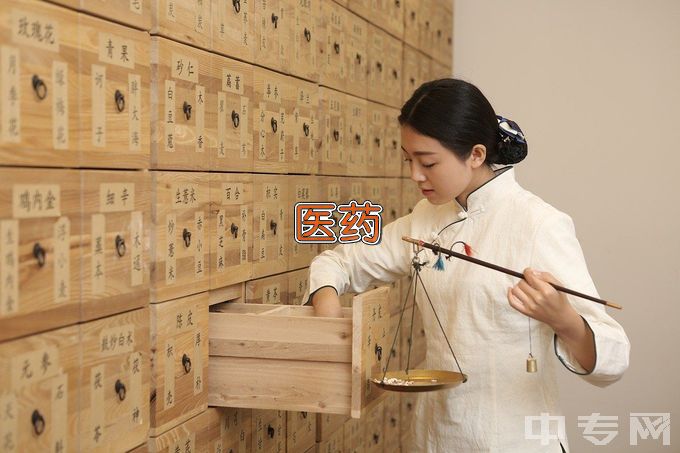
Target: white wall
<point x="595" y="85"/>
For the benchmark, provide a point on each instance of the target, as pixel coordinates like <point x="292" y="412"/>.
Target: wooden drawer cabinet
<point x="40" y="248"/>
<point x="115" y="374"/>
<point x="116" y="225"/>
<point x="40" y="387"/>
<point x="179" y="342"/>
<point x="298" y="282"/>
<point x="39" y="118"/>
<point x="326" y="367"/>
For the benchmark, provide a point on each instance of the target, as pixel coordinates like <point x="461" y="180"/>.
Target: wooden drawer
<point x="353" y="435"/>
<point x="376" y="139"/>
<point x="179" y="248"/>
<point x="393" y="79"/>
<point x="333" y="54"/>
<point x="328" y="425"/>
<point x="40" y="248"/>
<point x="332" y="119"/>
<point x="333" y="444"/>
<point x="425" y="67"/>
<point x="302" y="189"/>
<point x="184" y="106"/>
<point x="39" y="115"/>
<point x="300" y="432"/>
<point x="306" y="39"/>
<point x="412" y="13"/>
<point x="184" y="21"/>
<point x="359" y="189"/>
<point x="269" y="431"/>
<point x="393" y="153"/>
<point x="255" y="362"/>
<point x="268" y="290"/>
<point x="272" y="231"/>
<point x="201" y="434"/>
<point x="392" y="425"/>
<point x="298" y="282"/>
<point x="411" y="72"/>
<point x="393" y="12"/>
<point x="135" y="13"/>
<point x="357" y="136"/>
<point x="377" y="65"/>
<point x="231" y="228"/>
<point x="304" y="132"/>
<point x="337" y="190"/>
<point x="373" y="435"/>
<point x="270" y="121"/>
<point x="114" y="377"/>
<point x="114" y="107"/>
<point x="395" y="345"/>
<point x="426" y="27"/>
<point x="233" y="150"/>
<point x="233" y="28"/>
<point x="237" y="430"/>
<point x="40" y="386"/>
<point x="274" y="28"/>
<point x="357" y="55"/>
<point x="179" y="362"/>
<point x="115" y="241"/>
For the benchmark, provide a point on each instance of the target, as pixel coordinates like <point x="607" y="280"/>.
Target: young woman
<point x="457" y="147"/>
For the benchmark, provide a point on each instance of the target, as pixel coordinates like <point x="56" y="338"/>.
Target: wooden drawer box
<point x="393" y="153"/>
<point x="268" y="290"/>
<point x="333" y="444"/>
<point x="306" y="39"/>
<point x="39" y="115"/>
<point x="391" y="201"/>
<point x="336" y="190"/>
<point x="326" y="367"/>
<point x="114" y="101"/>
<point x="393" y="52"/>
<point x="303" y="124"/>
<point x="273" y="91"/>
<point x="40" y="386"/>
<point x="392" y="425"/>
<point x="332" y="51"/>
<point x="353" y="436"/>
<point x="231" y="229"/>
<point x="114" y="401"/>
<point x="200" y="434"/>
<point x="40" y="248"/>
<point x="179" y="362"/>
<point x="411" y="72"/>
<point x="373" y="435"/>
<point x="184" y="106"/>
<point x="327" y="425"/>
<point x="298" y="282"/>
<point x="300" y="432"/>
<point x="237" y="430"/>
<point x="269" y="431"/>
<point x="179" y="246"/>
<point x="115" y="242"/>
<point x="274" y="31"/>
<point x="356" y="30"/>
<point x="357" y="136"/>
<point x="376" y="137"/>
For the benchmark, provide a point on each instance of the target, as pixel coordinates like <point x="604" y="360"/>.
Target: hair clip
<point x="509" y="130"/>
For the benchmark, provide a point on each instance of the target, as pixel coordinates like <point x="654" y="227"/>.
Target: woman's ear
<point x="477" y="156"/>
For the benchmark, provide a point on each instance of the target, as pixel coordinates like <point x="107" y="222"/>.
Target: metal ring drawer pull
<point x="449" y="40"/>
<point x="234" y="230"/>
<point x="38" y="422"/>
<point x="39" y="87"/>
<point x="379" y="65"/>
<point x="235" y="118"/>
<point x="358" y="58"/>
<point x="304" y="414"/>
<point x="439" y="33"/>
<point x="427" y="24"/>
<point x="377" y="141"/>
<point x="186" y="235"/>
<point x="308" y="35"/>
<point x="395" y="74"/>
<point x="275" y="125"/>
<point x="275" y="20"/>
<point x="336" y="47"/>
<point x="413" y="15"/>
<point x="397" y="3"/>
<point x="271" y="431"/>
<point x="393" y="421"/>
<point x="40" y="254"/>
<point x="120" y="390"/>
<point x="409" y="406"/>
<point x="186" y="107"/>
<point x="393" y="213"/>
<point x="186" y="363"/>
<point x="237" y="5"/>
<point x="336" y="135"/>
<point x="393" y="352"/>
<point x="305" y="129"/>
<point x="357" y="137"/>
<point x="120" y="100"/>
<point x="120" y="245"/>
<point x="272" y="226"/>
<point x="378" y="351"/>
<point x="412" y="80"/>
<point x="394" y="144"/>
<point x="376" y="438"/>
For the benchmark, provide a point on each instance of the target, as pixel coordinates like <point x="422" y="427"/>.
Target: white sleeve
<point x="357" y="267"/>
<point x="556" y="250"/>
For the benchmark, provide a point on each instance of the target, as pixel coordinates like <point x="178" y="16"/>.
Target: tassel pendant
<point x="439" y="264"/>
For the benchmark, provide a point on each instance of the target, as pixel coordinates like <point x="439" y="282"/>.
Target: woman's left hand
<point x="536" y="298"/>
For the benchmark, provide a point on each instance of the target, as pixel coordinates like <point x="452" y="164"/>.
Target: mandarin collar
<point x="490" y="192"/>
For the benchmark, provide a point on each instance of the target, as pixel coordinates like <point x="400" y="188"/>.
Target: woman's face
<point x="440" y="174"/>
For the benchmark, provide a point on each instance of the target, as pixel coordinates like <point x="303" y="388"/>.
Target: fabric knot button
<point x="462" y="215"/>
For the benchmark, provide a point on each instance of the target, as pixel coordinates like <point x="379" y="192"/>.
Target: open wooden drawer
<point x="285" y="358"/>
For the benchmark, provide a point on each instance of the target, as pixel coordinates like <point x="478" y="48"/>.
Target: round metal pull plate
<point x="120" y="100"/>
<point x="39" y="87"/>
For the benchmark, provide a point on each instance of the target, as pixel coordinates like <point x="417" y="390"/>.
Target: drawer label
<point x="98" y="254"/>
<point x="116" y="196"/>
<point x="220" y="256"/>
<point x="98" y="106"/>
<point x="34" y="366"/>
<point x="169" y="375"/>
<point x="136" y="257"/>
<point x="136" y="6"/>
<point x="198" y="363"/>
<point x="245" y="133"/>
<point x="334" y="192"/>
<point x="62" y="260"/>
<point x="135" y="367"/>
<point x="116" y="50"/>
<point x="262" y="235"/>
<point x="271" y="192"/>
<point x="169" y="116"/>
<point x="171" y="11"/>
<point x="60" y="412"/>
<point x="262" y="131"/>
<point x="31" y="201"/>
<point x="9" y="422"/>
<point x="9" y="271"/>
<point x="232" y="81"/>
<point x="281" y="132"/>
<point x="97" y="403"/>
<point x="35" y="30"/>
<point x="232" y="193"/>
<point x="117" y="340"/>
<point x="244" y="232"/>
<point x="221" y="124"/>
<point x="135" y="112"/>
<point x="11" y="94"/>
<point x="200" y="13"/>
<point x="170" y="252"/>
<point x="200" y="119"/>
<point x="184" y="68"/>
<point x="60" y="137"/>
<point x="271" y="294"/>
<point x="199" y="222"/>
<point x="303" y="192"/>
<point x="185" y="196"/>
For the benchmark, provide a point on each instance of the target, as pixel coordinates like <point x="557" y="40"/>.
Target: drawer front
<point x="393" y="78"/>
<point x="412" y="13"/>
<point x="203" y="434"/>
<point x="302" y="189"/>
<point x="332" y="47"/>
<point x="300" y="432"/>
<point x="374" y="437"/>
<point x="272" y="232"/>
<point x="184" y="21"/>
<point x="115" y="375"/>
<point x="304" y="128"/>
<point x="298" y="282"/>
<point x="136" y="13"/>
<point x="274" y="29"/>
<point x="40" y="248"/>
<point x="39" y="115"/>
<point x="180" y="248"/>
<point x="184" y="99"/>
<point x="269" y="431"/>
<point x="426" y="28"/>
<point x="393" y="152"/>
<point x="377" y="65"/>
<point x="233" y="25"/>
<point x="410" y="72"/>
<point x="376" y="139"/>
<point x="395" y="330"/>
<point x="270" y="122"/>
<point x="357" y="137"/>
<point x="334" y="151"/>
<point x="410" y="196"/>
<point x="237" y="430"/>
<point x="231" y="229"/>
<point x="40" y="389"/>
<point x="353" y="433"/>
<point x="425" y="64"/>
<point x="392" y="201"/>
<point x="357" y="58"/>
<point x="235" y="101"/>
<point x="179" y="333"/>
<point x="268" y="290"/>
<point x="394" y="14"/>
<point x="306" y="40"/>
<point x="114" y="107"/>
<point x="115" y="242"/>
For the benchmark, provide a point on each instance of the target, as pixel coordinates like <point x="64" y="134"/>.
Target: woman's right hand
<point x="326" y="303"/>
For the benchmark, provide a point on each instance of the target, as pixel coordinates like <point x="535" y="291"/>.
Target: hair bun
<point x="512" y="145"/>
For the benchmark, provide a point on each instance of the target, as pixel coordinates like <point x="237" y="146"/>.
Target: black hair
<point x="459" y="116"/>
